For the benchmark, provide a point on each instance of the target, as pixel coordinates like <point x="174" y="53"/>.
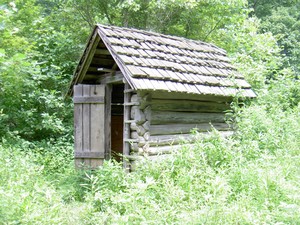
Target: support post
<point x="126" y="134"/>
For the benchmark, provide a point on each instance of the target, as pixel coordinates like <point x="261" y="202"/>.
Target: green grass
<point x="249" y="178"/>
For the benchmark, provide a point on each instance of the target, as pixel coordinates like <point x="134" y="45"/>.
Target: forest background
<point x="249" y="178"/>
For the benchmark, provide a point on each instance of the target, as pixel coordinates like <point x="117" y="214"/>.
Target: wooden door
<point x="89" y="122"/>
<point x="117" y="137"/>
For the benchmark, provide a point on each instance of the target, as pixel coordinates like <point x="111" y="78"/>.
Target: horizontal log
<point x="132" y="103"/>
<point x="162" y="140"/>
<point x="166" y="117"/>
<point x="166" y="149"/>
<point x="185" y="128"/>
<point x="187" y="106"/>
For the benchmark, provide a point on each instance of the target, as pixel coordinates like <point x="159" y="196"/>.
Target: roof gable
<point x="152" y="61"/>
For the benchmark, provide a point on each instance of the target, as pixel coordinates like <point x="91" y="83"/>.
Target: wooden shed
<point x="138" y="93"/>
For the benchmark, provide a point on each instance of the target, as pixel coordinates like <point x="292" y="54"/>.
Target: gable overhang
<point x="91" y="69"/>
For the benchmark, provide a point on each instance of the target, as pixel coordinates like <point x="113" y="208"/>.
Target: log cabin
<point x="138" y="93"/>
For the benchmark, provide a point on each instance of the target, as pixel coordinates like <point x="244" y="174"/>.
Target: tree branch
<point x="212" y="29"/>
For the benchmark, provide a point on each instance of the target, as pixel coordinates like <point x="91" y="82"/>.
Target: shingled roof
<point x="152" y="61"/>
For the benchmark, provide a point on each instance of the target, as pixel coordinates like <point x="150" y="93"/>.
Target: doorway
<point x="117" y="121"/>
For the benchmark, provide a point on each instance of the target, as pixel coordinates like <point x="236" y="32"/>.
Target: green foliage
<point x="192" y="19"/>
<point x="284" y="24"/>
<point x="273" y="123"/>
<point x="26" y="197"/>
<point x="256" y="55"/>
<point x="32" y="74"/>
<point x="282" y="19"/>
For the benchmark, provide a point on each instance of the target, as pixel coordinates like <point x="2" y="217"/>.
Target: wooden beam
<point x="101" y="69"/>
<point x="76" y="76"/>
<point x="112" y="79"/>
<point x="102" y="52"/>
<point x="88" y="59"/>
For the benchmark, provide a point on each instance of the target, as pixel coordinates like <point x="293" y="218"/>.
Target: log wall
<point x="173" y="119"/>
<point x="159" y="125"/>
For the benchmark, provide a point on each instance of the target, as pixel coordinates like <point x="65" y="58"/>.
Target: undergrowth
<point x="251" y="177"/>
